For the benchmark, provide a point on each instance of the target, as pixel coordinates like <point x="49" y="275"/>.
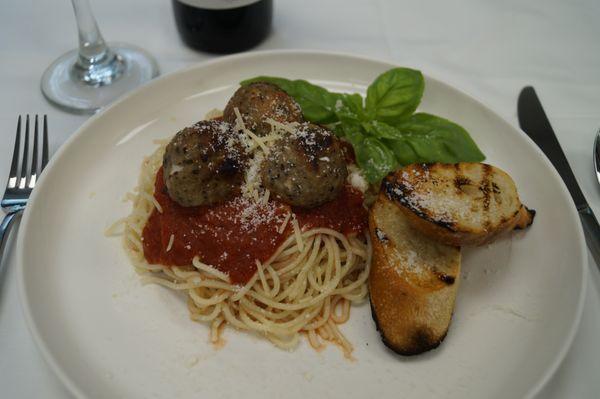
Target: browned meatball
<point x="306" y="168"/>
<point x="260" y="101"/>
<point x="203" y="164"/>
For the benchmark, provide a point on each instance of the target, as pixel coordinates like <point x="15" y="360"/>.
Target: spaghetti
<point x="305" y="288"/>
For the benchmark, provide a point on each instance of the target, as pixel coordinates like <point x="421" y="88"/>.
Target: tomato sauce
<point x="231" y="236"/>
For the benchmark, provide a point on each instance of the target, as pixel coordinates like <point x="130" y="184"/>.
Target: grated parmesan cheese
<point x="285" y="127"/>
<point x="444" y="208"/>
<point x="407" y="260"/>
<point x="258" y="141"/>
<point x="171" y="241"/>
<point x="265" y="198"/>
<point x="380" y="235"/>
<point x="356" y="179"/>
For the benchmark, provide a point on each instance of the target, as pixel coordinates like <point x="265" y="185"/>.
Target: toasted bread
<point x="458" y="204"/>
<point x="412" y="283"/>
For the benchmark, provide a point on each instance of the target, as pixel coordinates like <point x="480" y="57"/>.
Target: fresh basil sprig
<point x="433" y="139"/>
<point x="383" y="128"/>
<point x="395" y="95"/>
<point x="375" y="159"/>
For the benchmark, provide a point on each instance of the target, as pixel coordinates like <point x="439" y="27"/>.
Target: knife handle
<point x="591" y="229"/>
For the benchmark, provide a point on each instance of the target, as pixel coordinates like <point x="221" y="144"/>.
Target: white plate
<point x="106" y="335"/>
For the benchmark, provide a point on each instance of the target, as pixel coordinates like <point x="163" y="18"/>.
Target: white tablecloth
<point x="490" y="49"/>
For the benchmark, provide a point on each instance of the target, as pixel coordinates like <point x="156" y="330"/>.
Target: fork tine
<point x="45" y="144"/>
<point x="34" y="156"/>
<point x="14" y="166"/>
<point x="23" y="179"/>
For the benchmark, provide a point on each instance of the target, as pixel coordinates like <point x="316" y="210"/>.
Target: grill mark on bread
<point x="484" y="187"/>
<point x="497" y="193"/>
<point x="460" y="182"/>
<point x="396" y="191"/>
<point x="447" y="279"/>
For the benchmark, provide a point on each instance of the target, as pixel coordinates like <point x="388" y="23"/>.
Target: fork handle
<point x="5" y="228"/>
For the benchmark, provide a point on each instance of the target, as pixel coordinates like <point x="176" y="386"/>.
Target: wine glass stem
<point x="96" y="65"/>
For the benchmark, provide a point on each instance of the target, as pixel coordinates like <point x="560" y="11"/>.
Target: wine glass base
<point x="61" y="88"/>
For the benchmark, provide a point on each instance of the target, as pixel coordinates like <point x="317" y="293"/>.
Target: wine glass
<point x="88" y="78"/>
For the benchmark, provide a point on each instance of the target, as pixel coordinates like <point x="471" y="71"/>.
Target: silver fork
<point x="22" y="180"/>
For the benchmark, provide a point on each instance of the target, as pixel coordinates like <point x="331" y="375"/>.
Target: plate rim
<point x="20" y="245"/>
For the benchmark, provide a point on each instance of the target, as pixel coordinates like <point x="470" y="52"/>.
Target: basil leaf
<point x="372" y="156"/>
<point x="404" y="152"/>
<point x="318" y="105"/>
<point x="338" y="130"/>
<point x="353" y="133"/>
<point x="429" y="138"/>
<point x="382" y="130"/>
<point x="375" y="159"/>
<point x="395" y="95"/>
<point x="350" y="106"/>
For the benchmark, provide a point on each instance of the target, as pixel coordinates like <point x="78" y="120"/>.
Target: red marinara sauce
<point x="231" y="236"/>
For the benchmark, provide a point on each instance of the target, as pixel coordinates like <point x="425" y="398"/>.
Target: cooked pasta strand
<point x="305" y="288"/>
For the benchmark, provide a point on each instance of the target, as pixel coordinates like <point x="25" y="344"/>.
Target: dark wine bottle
<point x="223" y="26"/>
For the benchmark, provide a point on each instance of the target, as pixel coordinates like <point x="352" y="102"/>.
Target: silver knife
<point x="534" y="122"/>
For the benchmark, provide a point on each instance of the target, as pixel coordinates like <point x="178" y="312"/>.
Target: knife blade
<point x="535" y="123"/>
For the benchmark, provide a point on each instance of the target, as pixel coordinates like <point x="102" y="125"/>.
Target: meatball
<point x="306" y="168"/>
<point x="259" y="101"/>
<point x="203" y="164"/>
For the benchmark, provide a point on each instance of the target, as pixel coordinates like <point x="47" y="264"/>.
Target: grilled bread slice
<point x="412" y="283"/>
<point x="458" y="204"/>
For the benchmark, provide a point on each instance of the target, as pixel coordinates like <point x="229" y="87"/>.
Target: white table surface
<point x="490" y="49"/>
